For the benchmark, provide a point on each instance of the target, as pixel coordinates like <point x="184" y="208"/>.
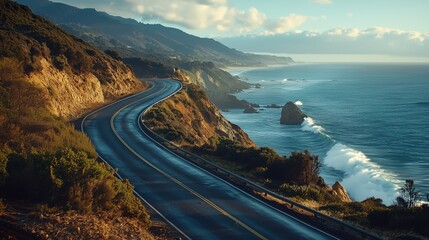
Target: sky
<point x="386" y="30"/>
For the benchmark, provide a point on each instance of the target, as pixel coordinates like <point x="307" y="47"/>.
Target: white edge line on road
<point x="222" y="211"/>
<point x="206" y="200"/>
<point x="266" y="204"/>
<point x="118" y="175"/>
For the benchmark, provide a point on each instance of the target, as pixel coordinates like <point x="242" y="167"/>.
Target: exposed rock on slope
<point x="190" y="119"/>
<point x="291" y="114"/>
<point x="250" y="109"/>
<point x="217" y="83"/>
<point x="71" y="73"/>
<point x="339" y="191"/>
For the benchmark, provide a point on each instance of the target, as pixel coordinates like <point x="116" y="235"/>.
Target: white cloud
<point x="322" y="1"/>
<point x="284" y="24"/>
<point x="375" y="40"/>
<point x="209" y="15"/>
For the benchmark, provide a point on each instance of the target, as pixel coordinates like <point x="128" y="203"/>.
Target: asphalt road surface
<point x="197" y="203"/>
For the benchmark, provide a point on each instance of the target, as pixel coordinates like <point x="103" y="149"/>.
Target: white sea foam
<point x="309" y="125"/>
<point x="285" y="80"/>
<point x="363" y="178"/>
<point x="298" y="103"/>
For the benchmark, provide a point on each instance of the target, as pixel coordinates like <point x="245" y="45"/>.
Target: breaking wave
<point x="309" y="125"/>
<point x="363" y="178"/>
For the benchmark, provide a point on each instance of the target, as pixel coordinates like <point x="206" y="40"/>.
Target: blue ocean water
<point x="369" y="123"/>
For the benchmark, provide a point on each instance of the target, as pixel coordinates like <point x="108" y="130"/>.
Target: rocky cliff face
<point x="71" y="73"/>
<point x="339" y="191"/>
<point x="217" y="83"/>
<point x="190" y="119"/>
<point x="291" y="114"/>
<point x="68" y="94"/>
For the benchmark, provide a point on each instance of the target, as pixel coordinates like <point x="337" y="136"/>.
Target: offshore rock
<point x="250" y="109"/>
<point x="291" y="114"/>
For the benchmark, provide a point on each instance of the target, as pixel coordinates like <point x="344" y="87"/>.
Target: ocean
<point x="369" y="123"/>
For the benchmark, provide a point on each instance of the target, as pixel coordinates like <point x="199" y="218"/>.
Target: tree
<point x="409" y="195"/>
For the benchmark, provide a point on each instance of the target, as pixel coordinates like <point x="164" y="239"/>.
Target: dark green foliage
<point x="148" y="69"/>
<point x="3" y="171"/>
<point x="297" y="169"/>
<point x="2" y="206"/>
<point x="380" y="218"/>
<point x="70" y="180"/>
<point x="113" y="54"/>
<point x="409" y="195"/>
<point x="397" y="218"/>
<point x="195" y="92"/>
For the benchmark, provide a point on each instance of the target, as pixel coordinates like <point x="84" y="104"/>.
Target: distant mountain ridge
<point x="134" y="38"/>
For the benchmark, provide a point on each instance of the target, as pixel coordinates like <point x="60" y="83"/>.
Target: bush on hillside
<point x="301" y="168"/>
<point x="70" y="180"/>
<point x="399" y="218"/>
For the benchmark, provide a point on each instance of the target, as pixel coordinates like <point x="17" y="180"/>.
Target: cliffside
<point x="190" y="119"/>
<point x="217" y="83"/>
<point x="46" y="165"/>
<point x="69" y="72"/>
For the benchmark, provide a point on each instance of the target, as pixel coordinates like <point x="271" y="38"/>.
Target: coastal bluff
<point x="291" y="114"/>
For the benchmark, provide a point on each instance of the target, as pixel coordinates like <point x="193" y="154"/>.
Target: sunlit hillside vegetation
<point x="43" y="159"/>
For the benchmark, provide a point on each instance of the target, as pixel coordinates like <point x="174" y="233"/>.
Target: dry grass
<point x="71" y="225"/>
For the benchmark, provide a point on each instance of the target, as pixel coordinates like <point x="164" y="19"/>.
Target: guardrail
<point x="218" y="170"/>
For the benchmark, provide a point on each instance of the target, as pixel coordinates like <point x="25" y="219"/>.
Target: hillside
<point x="134" y="39"/>
<point x="217" y="83"/>
<point x="191" y="120"/>
<point x="70" y="73"/>
<point x="50" y="182"/>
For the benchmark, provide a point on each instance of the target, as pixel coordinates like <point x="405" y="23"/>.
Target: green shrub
<point x="3" y="171"/>
<point x="379" y="218"/>
<point x="2" y="206"/>
<point x="70" y="180"/>
<point x="195" y="92"/>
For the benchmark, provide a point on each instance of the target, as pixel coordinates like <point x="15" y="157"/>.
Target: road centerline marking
<point x="210" y="203"/>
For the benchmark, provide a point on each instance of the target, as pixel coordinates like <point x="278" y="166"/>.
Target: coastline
<point x="374" y="163"/>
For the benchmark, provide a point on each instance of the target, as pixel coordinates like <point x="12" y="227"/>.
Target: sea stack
<point x="291" y="114"/>
<point x="250" y="109"/>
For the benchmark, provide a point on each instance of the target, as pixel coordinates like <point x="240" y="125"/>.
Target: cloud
<point x="375" y="40"/>
<point x="322" y="1"/>
<point x="284" y="24"/>
<point x="210" y="15"/>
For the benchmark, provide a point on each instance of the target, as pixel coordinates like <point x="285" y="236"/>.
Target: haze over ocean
<point x="369" y="122"/>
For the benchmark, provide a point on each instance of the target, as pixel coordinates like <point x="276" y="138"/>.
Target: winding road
<point x="197" y="203"/>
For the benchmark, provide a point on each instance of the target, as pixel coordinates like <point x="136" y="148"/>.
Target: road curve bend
<point x="197" y="203"/>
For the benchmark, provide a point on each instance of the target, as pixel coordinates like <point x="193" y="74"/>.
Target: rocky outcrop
<point x="250" y="109"/>
<point x="69" y="94"/>
<point x="291" y="114"/>
<point x="339" y="191"/>
<point x="273" y="106"/>
<point x="189" y="119"/>
<point x="71" y="73"/>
